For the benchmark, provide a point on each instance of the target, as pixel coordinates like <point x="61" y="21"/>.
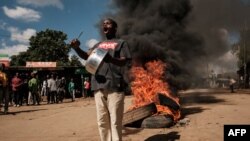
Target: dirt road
<point x="205" y="113"/>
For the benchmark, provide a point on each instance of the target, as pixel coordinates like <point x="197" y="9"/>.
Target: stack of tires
<point x="144" y="117"/>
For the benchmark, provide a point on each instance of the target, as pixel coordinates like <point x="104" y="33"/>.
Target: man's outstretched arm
<point x="75" y="44"/>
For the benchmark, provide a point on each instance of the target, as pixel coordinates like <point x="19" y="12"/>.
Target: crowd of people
<point x="30" y="89"/>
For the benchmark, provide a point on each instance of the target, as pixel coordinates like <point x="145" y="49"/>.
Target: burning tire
<point x="157" y="121"/>
<point x="139" y="113"/>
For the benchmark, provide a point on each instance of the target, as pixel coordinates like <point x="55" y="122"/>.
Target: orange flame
<point x="148" y="82"/>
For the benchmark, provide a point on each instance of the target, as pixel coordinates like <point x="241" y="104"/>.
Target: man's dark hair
<point x="113" y="22"/>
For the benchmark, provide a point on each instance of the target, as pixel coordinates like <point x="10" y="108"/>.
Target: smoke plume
<point x="185" y="34"/>
<point x="219" y="23"/>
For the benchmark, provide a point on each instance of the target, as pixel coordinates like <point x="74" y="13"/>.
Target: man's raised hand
<point x="75" y="43"/>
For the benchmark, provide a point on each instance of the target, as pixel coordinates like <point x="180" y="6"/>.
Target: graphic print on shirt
<point x="108" y="45"/>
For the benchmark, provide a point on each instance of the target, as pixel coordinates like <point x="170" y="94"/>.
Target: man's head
<point x="32" y="74"/>
<point x="109" y="27"/>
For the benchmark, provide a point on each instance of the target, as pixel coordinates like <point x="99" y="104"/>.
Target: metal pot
<point x="95" y="60"/>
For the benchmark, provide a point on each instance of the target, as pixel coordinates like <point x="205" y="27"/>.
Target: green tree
<point x="19" y="60"/>
<point x="74" y="61"/>
<point x="48" y="45"/>
<point x="242" y="49"/>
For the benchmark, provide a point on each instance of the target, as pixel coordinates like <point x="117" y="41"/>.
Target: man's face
<point x="108" y="27"/>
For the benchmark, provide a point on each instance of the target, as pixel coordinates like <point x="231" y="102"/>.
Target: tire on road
<point x="139" y="113"/>
<point x="158" y="121"/>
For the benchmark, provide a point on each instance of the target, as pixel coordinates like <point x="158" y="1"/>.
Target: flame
<point x="147" y="83"/>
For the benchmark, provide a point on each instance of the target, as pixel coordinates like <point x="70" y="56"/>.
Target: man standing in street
<point x="108" y="82"/>
<point x="231" y="84"/>
<point x="86" y="88"/>
<point x="72" y="89"/>
<point x="33" y="88"/>
<point x="52" y="89"/>
<point x="16" y="83"/>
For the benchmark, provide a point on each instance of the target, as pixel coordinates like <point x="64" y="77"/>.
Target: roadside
<point x="205" y="112"/>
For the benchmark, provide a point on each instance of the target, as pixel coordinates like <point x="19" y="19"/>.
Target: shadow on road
<point x="25" y="111"/>
<point x="128" y="131"/>
<point x="172" y="136"/>
<point x="199" y="98"/>
<point x="202" y="97"/>
<point x="190" y="111"/>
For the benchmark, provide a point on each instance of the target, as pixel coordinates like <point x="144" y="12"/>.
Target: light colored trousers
<point x="30" y="98"/>
<point x="73" y="93"/>
<point x="109" y="108"/>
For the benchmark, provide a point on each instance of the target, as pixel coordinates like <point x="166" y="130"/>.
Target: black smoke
<point x="215" y="21"/>
<point x="156" y="30"/>
<point x="187" y="34"/>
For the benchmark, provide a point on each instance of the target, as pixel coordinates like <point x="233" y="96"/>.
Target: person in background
<point x="44" y="90"/>
<point x="108" y="82"/>
<point x="57" y="96"/>
<point x="16" y="82"/>
<point x="22" y="89"/>
<point x="26" y="88"/>
<point x="52" y="90"/>
<point x="72" y="89"/>
<point x="86" y="88"/>
<point x="231" y="84"/>
<point x="61" y="89"/>
<point x="4" y="89"/>
<point x="33" y="88"/>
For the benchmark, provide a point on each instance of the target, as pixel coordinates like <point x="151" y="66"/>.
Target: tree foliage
<point x="47" y="46"/>
<point x="74" y="61"/>
<point x="19" y="60"/>
<point x="242" y="47"/>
